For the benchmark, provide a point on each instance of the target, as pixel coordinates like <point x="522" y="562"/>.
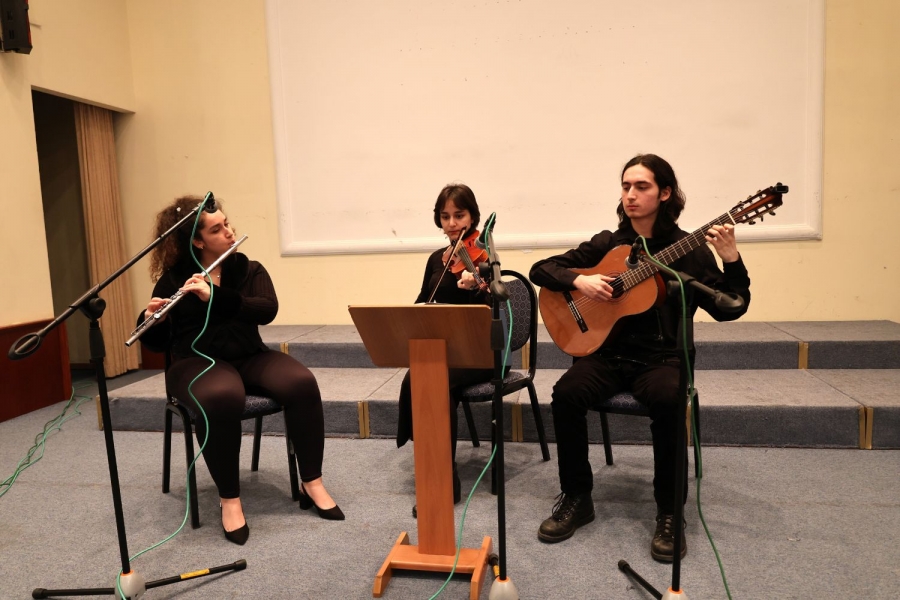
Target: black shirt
<point x="448" y="292"/>
<point x="244" y="299"/>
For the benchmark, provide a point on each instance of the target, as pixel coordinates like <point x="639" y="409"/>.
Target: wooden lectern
<point x="430" y="338"/>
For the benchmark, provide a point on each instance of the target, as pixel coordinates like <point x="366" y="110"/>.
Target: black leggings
<point x="222" y="393"/>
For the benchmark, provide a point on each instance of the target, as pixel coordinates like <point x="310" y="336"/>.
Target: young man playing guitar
<point x="640" y="354"/>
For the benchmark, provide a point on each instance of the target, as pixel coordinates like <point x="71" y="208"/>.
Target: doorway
<point x="57" y="149"/>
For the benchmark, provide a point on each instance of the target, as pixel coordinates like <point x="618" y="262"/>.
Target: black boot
<point x="662" y="547"/>
<point x="570" y="512"/>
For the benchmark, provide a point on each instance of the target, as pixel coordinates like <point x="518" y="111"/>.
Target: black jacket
<point x="244" y="299"/>
<point x="651" y="335"/>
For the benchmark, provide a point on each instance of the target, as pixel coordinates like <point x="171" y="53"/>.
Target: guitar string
<point x="668" y="255"/>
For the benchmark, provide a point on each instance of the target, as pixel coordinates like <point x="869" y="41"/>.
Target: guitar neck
<point x="630" y="278"/>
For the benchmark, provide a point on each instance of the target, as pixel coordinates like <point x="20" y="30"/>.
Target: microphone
<point x="728" y="302"/>
<point x="633" y="259"/>
<point x="481" y="241"/>
<point x="209" y="203"/>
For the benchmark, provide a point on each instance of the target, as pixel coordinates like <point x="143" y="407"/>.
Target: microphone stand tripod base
<point x="133" y="585"/>
<point x="673" y="595"/>
<point x="503" y="589"/>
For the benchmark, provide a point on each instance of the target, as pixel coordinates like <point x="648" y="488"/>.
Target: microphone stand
<point x="727" y="302"/>
<point x="92" y="306"/>
<point x="503" y="587"/>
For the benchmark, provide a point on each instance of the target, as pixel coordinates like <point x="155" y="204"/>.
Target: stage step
<point x="720" y="346"/>
<point x="843" y="408"/>
<point x="806" y="384"/>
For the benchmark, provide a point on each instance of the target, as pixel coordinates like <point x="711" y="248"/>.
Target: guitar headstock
<point x="760" y="204"/>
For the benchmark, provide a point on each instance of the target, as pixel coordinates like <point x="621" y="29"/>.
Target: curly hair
<point x="670" y="210"/>
<point x="176" y="246"/>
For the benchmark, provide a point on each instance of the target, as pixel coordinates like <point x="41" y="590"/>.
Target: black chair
<point x="524" y="328"/>
<point x="624" y="403"/>
<point x="256" y="408"/>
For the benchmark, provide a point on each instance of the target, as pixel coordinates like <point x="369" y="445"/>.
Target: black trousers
<point x="595" y="378"/>
<point x="459" y="378"/>
<point x="222" y="393"/>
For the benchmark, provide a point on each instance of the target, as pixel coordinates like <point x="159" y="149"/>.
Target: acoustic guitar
<point x="579" y="325"/>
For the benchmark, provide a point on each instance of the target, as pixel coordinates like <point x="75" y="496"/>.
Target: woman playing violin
<point x="243" y="297"/>
<point x="456" y="213"/>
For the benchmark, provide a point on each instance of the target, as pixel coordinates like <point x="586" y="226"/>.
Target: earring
<point x="201" y="246"/>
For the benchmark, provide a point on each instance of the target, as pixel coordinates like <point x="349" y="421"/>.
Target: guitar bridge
<point x="575" y="312"/>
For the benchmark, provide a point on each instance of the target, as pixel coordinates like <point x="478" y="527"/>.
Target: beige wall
<point x="80" y="52"/>
<point x="202" y="121"/>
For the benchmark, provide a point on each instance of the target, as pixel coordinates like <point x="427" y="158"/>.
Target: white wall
<point x="528" y="102"/>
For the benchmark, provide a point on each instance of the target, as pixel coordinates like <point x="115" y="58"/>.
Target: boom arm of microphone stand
<point x="725" y="301"/>
<point x="29" y="343"/>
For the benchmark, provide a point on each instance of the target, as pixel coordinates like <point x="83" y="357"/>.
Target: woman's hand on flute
<point x="198" y="285"/>
<point x="154" y="305"/>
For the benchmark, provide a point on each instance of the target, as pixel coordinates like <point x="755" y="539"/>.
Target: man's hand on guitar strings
<point x="596" y="287"/>
<point x="722" y="239"/>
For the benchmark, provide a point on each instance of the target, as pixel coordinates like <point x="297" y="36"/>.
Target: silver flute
<point x="174" y="298"/>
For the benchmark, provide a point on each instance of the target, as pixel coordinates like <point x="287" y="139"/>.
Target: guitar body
<point x="598" y="318"/>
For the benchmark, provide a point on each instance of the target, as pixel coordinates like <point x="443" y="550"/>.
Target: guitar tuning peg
<point x="751" y="222"/>
<point x="772" y="213"/>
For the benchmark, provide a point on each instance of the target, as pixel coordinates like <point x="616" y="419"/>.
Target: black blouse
<point x="244" y="299"/>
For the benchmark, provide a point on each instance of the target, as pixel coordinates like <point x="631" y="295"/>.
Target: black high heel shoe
<point x="332" y="514"/>
<point x="238" y="536"/>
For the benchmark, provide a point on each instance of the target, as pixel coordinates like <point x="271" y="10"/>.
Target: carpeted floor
<point x="789" y="523"/>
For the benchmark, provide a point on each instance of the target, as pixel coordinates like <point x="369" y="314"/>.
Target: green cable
<point x="693" y="399"/>
<point x="187" y="502"/>
<point x="462" y="522"/>
<point x="490" y="461"/>
<point x="40" y="440"/>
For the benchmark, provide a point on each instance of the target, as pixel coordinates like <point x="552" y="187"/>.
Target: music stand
<point x="429" y="339"/>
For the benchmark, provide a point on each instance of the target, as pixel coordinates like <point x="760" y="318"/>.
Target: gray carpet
<point x="789" y="523"/>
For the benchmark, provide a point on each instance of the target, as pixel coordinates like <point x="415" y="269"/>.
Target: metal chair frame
<point x="514" y="381"/>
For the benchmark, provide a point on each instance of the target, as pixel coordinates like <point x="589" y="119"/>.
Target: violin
<point x="463" y="255"/>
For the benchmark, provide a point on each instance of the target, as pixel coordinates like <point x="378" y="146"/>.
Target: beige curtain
<point x="103" y="226"/>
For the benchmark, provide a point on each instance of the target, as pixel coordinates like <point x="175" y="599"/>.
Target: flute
<point x="174" y="298"/>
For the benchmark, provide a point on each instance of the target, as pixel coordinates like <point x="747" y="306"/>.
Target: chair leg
<point x="292" y="464"/>
<point x="192" y="473"/>
<point x="607" y="446"/>
<point x="538" y="421"/>
<point x="257" y="434"/>
<point x="473" y="433"/>
<point x="167" y="450"/>
<point x="695" y="411"/>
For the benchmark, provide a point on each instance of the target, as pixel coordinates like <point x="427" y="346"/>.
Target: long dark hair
<point x="664" y="174"/>
<point x="463" y="197"/>
<point x="175" y="247"/>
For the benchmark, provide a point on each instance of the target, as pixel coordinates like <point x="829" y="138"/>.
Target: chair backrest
<point x="523" y="300"/>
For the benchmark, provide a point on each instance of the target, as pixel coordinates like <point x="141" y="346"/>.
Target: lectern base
<point x="405" y="556"/>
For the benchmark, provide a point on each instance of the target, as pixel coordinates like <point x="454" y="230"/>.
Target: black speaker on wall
<point x="15" y="31"/>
